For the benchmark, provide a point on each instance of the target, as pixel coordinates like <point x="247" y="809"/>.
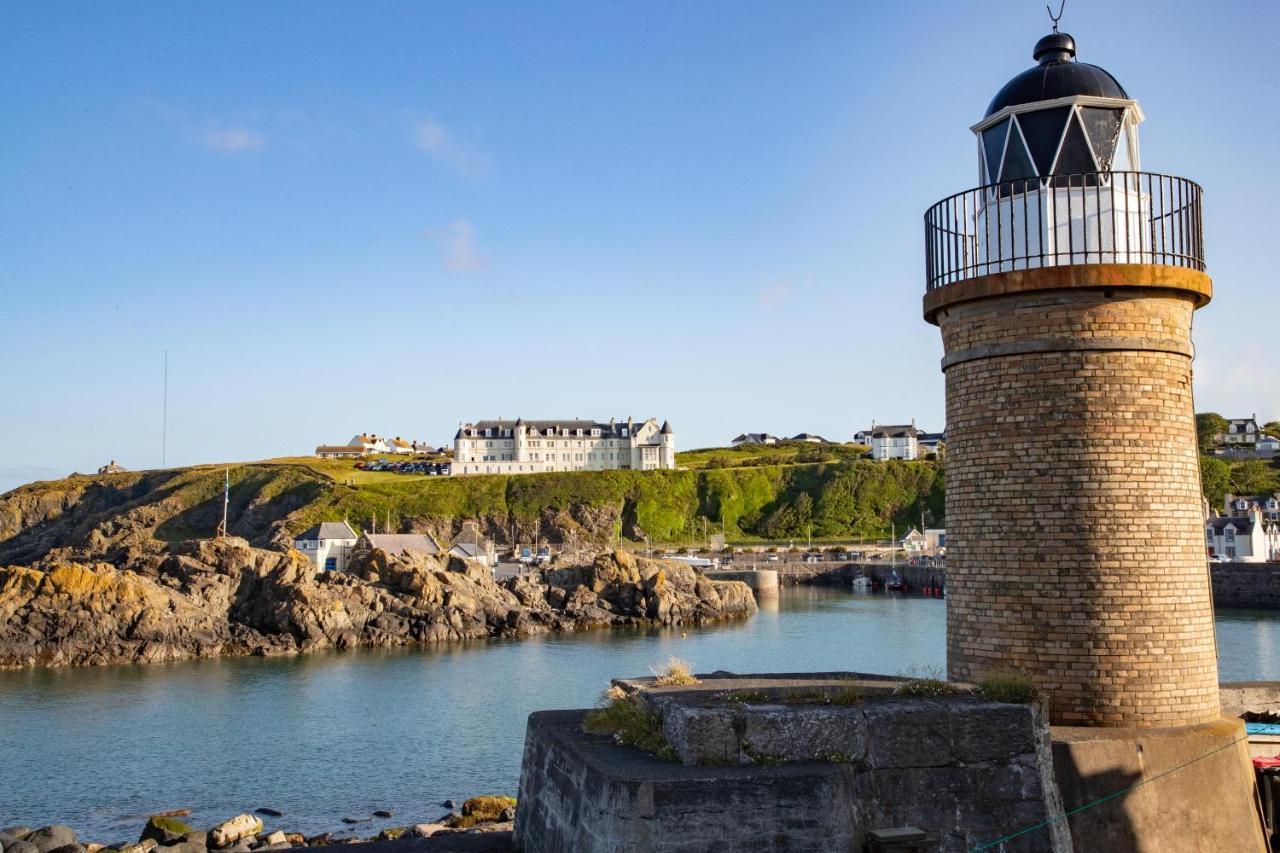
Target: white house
<point x="931" y="442"/>
<point x="370" y="443"/>
<point x="1268" y="505"/>
<point x="1243" y="539"/>
<point x="809" y="437"/>
<point x="754" y="438"/>
<point x="1242" y="433"/>
<point x="482" y="552"/>
<point x="399" y="445"/>
<point x="893" y="441"/>
<point x="527" y="447"/>
<point x="328" y="545"/>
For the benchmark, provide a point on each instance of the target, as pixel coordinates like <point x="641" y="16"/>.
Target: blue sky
<point x="396" y="216"/>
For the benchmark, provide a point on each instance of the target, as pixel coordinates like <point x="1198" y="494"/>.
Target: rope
<point x="992" y="844"/>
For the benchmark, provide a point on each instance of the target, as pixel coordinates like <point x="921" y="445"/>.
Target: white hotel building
<point x="529" y="447"/>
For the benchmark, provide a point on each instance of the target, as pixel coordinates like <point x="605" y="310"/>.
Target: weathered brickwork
<point x="1074" y="523"/>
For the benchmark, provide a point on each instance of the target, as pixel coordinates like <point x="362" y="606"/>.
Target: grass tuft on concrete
<point x="677" y="672"/>
<point x="1008" y="686"/>
<point x="630" y="723"/>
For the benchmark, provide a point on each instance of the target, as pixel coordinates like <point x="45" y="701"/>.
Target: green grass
<point x="1012" y="687"/>
<point x="782" y="453"/>
<point x="834" y="500"/>
<point x="630" y="724"/>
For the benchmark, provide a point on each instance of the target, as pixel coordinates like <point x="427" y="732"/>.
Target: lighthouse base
<point x="1185" y="790"/>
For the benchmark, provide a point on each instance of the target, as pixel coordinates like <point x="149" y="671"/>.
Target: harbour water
<point x="327" y="735"/>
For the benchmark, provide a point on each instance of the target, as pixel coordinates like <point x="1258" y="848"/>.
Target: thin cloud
<point x="775" y="295"/>
<point x="232" y="139"/>
<point x="457" y="242"/>
<point x="446" y="148"/>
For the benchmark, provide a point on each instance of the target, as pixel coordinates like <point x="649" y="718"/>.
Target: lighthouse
<point x="1064" y="287"/>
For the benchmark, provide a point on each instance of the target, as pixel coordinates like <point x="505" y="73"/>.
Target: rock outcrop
<point x="213" y="597"/>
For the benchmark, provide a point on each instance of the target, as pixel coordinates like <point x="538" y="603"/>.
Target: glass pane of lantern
<point x="1075" y="157"/>
<point x="1122" y="163"/>
<point x="993" y="146"/>
<point x="1103" y="126"/>
<point x="1017" y="164"/>
<point x="1043" y="130"/>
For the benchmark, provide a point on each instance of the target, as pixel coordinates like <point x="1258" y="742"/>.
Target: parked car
<point x="771" y="558"/>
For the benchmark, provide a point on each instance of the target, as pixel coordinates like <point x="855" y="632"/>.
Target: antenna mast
<point x="226" y="501"/>
<point x="164" y="417"/>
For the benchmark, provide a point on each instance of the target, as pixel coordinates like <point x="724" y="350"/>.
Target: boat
<point x="862" y="583"/>
<point x="894" y="582"/>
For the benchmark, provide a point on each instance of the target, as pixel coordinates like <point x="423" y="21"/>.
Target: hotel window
<point x="595" y="433"/>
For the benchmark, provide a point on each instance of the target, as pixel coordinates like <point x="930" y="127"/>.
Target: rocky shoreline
<point x="247" y="832"/>
<point x="205" y="598"/>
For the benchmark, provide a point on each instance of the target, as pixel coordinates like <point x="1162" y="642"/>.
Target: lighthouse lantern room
<point x="1058" y="165"/>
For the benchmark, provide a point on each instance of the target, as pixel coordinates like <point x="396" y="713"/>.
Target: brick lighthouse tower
<point x="1064" y="288"/>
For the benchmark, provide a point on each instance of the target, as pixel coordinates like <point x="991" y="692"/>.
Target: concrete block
<point x="804" y="733"/>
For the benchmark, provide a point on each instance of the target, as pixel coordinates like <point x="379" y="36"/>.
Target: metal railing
<point x="1088" y="218"/>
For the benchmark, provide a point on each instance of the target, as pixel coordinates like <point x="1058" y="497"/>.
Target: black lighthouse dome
<point x="1057" y="75"/>
<point x="1060" y="118"/>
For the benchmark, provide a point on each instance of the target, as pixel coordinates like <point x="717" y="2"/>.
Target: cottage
<point x="1243" y="538"/>
<point x="754" y="438"/>
<point x="369" y="443"/>
<point x="895" y="441"/>
<point x="1241" y="433"/>
<point x="1268" y="505"/>
<point x="809" y="437"/>
<point x="396" y="544"/>
<point x="328" y="545"/>
<point x="339" y="451"/>
<point x="483" y="552"/>
<point x="399" y="445"/>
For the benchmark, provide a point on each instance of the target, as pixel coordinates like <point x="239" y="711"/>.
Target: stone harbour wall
<point x="1246" y="585"/>
<point x="1074" y="522"/>
<point x="760" y="776"/>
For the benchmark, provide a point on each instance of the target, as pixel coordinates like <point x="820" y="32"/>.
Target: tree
<point x="1208" y="425"/>
<point x="1215" y="480"/>
<point x="1271" y="428"/>
<point x="1251" y="477"/>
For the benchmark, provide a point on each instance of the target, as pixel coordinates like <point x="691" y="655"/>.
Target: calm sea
<point x="326" y="735"/>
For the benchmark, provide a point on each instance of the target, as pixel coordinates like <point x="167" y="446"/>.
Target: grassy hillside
<point x="841" y="499"/>
<point x="275" y="499"/>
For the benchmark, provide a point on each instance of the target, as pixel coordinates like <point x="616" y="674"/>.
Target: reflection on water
<point x="325" y="735"/>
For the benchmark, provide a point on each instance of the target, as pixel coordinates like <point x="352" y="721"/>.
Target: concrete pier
<point x="763" y="582"/>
